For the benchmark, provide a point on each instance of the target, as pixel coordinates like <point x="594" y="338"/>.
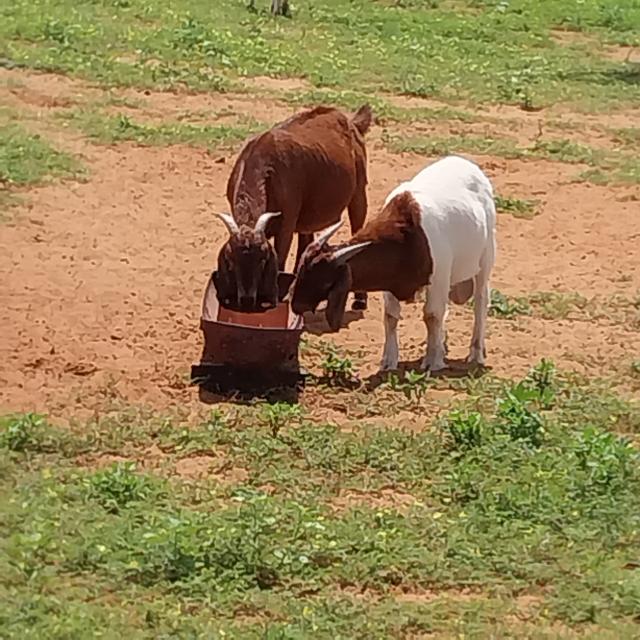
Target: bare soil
<point x="103" y="279"/>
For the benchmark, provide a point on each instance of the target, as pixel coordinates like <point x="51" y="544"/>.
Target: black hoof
<point x="359" y="305"/>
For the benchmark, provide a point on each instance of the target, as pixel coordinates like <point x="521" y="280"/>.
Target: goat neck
<point x="398" y="258"/>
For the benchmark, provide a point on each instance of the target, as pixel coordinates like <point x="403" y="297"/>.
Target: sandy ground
<point x="102" y="280"/>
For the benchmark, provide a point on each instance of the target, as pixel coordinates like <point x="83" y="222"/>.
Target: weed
<point x="516" y="417"/>
<point x="552" y="305"/>
<point x="467" y="429"/>
<point x="503" y="306"/>
<point x="337" y="370"/>
<point x="604" y="460"/>
<point x="279" y="415"/>
<point x="118" y="486"/>
<point x="413" y="384"/>
<point x="629" y="136"/>
<point x="567" y="151"/>
<point x="186" y="440"/>
<point x="384" y="111"/>
<point x="22" y="432"/>
<point x="542" y="379"/>
<point x="27" y="159"/>
<point x="518" y="208"/>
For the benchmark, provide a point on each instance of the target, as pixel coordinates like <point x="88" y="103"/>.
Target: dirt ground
<point x="102" y="280"/>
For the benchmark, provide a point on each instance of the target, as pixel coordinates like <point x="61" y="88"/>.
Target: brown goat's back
<point x="308" y="167"/>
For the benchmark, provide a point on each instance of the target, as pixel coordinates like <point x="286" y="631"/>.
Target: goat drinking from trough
<point x="436" y="232"/>
<point x="308" y="169"/>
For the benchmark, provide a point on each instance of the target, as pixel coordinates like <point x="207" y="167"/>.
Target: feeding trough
<point x="249" y="352"/>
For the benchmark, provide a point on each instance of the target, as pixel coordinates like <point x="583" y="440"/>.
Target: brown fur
<point x="397" y="260"/>
<point x="309" y="168"/>
<point x="399" y="246"/>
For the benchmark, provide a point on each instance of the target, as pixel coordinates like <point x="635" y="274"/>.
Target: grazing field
<point x="475" y="504"/>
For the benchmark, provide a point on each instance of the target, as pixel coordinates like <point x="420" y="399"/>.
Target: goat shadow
<point x="456" y="368"/>
<point x="290" y="395"/>
<point x="317" y="325"/>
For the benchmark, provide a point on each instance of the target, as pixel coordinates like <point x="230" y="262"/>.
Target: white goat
<point x="458" y="217"/>
<point x="436" y="233"/>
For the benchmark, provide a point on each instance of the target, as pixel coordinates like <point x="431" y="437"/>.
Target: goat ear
<point x="229" y="222"/>
<point x="325" y="235"/>
<point x="342" y="256"/>
<point x="337" y="299"/>
<point x="263" y="220"/>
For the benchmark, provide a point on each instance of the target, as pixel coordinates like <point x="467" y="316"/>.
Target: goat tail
<point x="362" y="118"/>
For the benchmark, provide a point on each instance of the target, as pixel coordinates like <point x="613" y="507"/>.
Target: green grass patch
<point x="504" y="306"/>
<point x="433" y="146"/>
<point x="515" y="491"/>
<point x="28" y="159"/>
<point x="517" y="207"/>
<point x="384" y="111"/>
<point x="489" y="51"/>
<point x="627" y="136"/>
<point x="556" y="305"/>
<point x="121" y="128"/>
<point x="606" y="165"/>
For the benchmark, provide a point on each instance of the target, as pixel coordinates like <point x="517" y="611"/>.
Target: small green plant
<point x="503" y="306"/>
<point x="556" y="304"/>
<point x="518" y="208"/>
<point x="605" y="459"/>
<point x="337" y="370"/>
<point x="190" y="440"/>
<point x="542" y="379"/>
<point x="635" y="368"/>
<point x="516" y="417"/>
<point x="279" y="415"/>
<point x="22" y="432"/>
<point x="413" y="384"/>
<point x="467" y="429"/>
<point x="118" y="486"/>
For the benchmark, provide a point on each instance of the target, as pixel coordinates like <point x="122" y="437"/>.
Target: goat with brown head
<point x="310" y="167"/>
<point x="436" y="234"/>
<point x="247" y="275"/>
<point x="324" y="274"/>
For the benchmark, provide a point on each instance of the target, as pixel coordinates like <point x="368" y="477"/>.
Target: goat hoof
<point x="359" y="304"/>
<point x="433" y="367"/>
<point x="477" y="356"/>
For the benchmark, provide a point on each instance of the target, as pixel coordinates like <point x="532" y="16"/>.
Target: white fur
<point x="459" y="221"/>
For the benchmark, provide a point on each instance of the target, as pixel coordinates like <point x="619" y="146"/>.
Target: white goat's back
<point x="458" y="216"/>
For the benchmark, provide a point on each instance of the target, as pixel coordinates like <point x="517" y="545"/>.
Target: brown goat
<point x="307" y="169"/>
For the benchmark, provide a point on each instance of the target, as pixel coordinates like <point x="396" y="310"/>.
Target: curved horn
<point x="325" y="235"/>
<point x="341" y="256"/>
<point x="229" y="222"/>
<point x="261" y="224"/>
